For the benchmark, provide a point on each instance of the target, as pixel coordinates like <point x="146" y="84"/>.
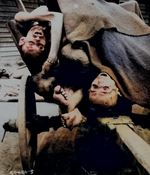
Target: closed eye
<point x="31" y="43"/>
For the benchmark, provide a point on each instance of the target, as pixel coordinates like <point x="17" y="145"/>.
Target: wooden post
<point x="20" y="5"/>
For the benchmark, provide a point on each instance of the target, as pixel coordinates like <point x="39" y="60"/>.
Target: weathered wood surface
<point x="8" y="49"/>
<point x="4" y="49"/>
<point x="131" y="140"/>
<point x="26" y="100"/>
<point x="7" y="11"/>
<point x="139" y="148"/>
<point x="7" y="3"/>
<point x="5" y="45"/>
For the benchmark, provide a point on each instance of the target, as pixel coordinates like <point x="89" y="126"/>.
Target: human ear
<point x="21" y="41"/>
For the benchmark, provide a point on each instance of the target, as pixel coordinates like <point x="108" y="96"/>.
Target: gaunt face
<point x="35" y="41"/>
<point x="103" y="91"/>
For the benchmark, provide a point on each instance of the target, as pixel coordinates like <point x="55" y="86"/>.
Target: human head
<point x="34" y="43"/>
<point x="103" y="91"/>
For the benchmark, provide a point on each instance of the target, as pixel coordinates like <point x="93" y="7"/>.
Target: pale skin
<point x="42" y="14"/>
<point x="34" y="42"/>
<point x="69" y="98"/>
<point x="73" y="118"/>
<point x="103" y="91"/>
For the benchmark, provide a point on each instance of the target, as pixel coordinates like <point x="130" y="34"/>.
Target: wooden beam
<point x="9" y="60"/>
<point x="9" y="9"/>
<point x="20" y="5"/>
<point x="139" y="148"/>
<point x="4" y="30"/>
<point x="7" y="3"/>
<point x="8" y="44"/>
<point x="5" y="40"/>
<point x="10" y="53"/>
<point x="6" y="49"/>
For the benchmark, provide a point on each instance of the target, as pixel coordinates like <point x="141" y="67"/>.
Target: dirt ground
<point x="10" y="162"/>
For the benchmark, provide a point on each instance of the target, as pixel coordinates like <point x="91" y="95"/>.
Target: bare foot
<point x="63" y="95"/>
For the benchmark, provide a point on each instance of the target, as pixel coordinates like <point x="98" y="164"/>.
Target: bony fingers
<point x="65" y="116"/>
<point x="70" y="122"/>
<point x="42" y="72"/>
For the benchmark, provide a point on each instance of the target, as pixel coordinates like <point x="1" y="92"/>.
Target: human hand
<point x="46" y="67"/>
<point x="73" y="118"/>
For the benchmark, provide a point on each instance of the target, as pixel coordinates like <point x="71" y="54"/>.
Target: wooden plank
<point x="26" y="5"/>
<point x="144" y="12"/>
<point x="6" y="49"/>
<point x="10" y="53"/>
<point x="146" y="21"/>
<point x="20" y="5"/>
<point x="6" y="19"/>
<point x="7" y="3"/>
<point x="6" y="40"/>
<point x="122" y="1"/>
<point x="30" y="9"/>
<point x="145" y="16"/>
<point x="2" y="24"/>
<point x="8" y="9"/>
<point x="142" y="4"/>
<point x="139" y="148"/>
<point x="30" y="5"/>
<point x="7" y="59"/>
<point x="7" y="14"/>
<point x="4" y="35"/>
<point x="4" y="30"/>
<point x="15" y="36"/>
<point x="33" y="1"/>
<point x="7" y="44"/>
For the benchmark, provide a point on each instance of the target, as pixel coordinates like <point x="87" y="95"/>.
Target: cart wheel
<point x="26" y="112"/>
